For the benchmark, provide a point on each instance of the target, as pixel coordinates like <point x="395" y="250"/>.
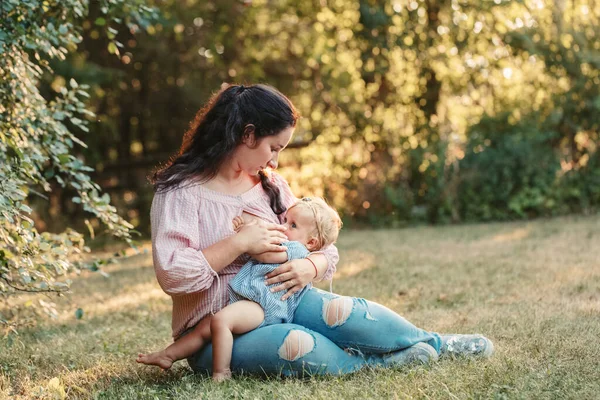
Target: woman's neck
<point x="231" y="176"/>
<point x="231" y="180"/>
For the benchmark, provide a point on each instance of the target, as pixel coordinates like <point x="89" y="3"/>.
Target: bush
<point x="509" y="171"/>
<point x="579" y="189"/>
<point x="37" y="143"/>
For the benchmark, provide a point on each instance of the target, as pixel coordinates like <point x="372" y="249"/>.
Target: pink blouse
<point x="189" y="219"/>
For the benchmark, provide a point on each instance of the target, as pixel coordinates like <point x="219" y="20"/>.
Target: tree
<point x="37" y="140"/>
<point x="390" y="93"/>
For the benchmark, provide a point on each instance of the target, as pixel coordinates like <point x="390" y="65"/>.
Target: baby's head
<point x="313" y="223"/>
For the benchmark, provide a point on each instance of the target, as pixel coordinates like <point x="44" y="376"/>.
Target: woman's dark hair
<point x="219" y="128"/>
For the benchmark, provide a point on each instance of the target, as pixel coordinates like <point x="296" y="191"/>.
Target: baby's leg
<point x="237" y="318"/>
<point x="183" y="348"/>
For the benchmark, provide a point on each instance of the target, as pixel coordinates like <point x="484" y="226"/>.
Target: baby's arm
<point x="294" y="251"/>
<point x="271" y="257"/>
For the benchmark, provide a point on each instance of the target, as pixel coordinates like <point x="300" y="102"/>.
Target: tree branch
<point x="27" y="290"/>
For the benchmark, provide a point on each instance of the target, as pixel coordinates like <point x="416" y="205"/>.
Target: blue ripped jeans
<point x="324" y="325"/>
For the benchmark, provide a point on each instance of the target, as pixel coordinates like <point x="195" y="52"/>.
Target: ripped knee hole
<point x="337" y="311"/>
<point x="296" y="344"/>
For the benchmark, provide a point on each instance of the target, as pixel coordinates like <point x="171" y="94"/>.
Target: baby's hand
<point x="238" y="223"/>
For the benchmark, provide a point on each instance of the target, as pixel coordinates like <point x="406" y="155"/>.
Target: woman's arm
<point x="265" y="238"/>
<point x="296" y="274"/>
<point x="328" y="259"/>
<point x="181" y="266"/>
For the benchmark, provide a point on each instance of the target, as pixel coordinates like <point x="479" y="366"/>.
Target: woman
<point x="218" y="175"/>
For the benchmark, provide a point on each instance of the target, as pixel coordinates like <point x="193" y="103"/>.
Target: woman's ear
<point x="312" y="244"/>
<point x="248" y="137"/>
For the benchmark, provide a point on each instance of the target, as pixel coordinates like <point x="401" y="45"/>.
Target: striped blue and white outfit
<point x="249" y="284"/>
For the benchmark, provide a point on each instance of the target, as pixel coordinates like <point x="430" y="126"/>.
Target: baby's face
<point x="300" y="223"/>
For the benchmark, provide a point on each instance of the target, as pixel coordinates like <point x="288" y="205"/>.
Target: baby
<point x="311" y="225"/>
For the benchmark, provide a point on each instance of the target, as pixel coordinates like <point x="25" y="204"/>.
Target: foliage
<point x="513" y="170"/>
<point x="509" y="171"/>
<point x="38" y="143"/>
<point x="580" y="188"/>
<point x="389" y="92"/>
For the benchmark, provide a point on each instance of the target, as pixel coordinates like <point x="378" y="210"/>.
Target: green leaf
<point x="58" y="115"/>
<point x="100" y="21"/>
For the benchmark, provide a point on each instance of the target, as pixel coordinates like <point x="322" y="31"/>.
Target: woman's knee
<point x="337" y="311"/>
<point x="296" y="344"/>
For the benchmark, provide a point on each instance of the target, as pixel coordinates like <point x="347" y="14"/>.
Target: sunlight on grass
<point x="132" y="298"/>
<point x="528" y="286"/>
<point x="517" y="234"/>
<point x="354" y="262"/>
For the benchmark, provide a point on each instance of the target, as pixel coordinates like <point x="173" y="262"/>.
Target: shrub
<point x="509" y="171"/>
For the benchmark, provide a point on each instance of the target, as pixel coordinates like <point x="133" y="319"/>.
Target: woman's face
<point x="255" y="155"/>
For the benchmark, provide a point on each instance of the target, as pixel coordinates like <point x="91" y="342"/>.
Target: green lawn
<point x="532" y="287"/>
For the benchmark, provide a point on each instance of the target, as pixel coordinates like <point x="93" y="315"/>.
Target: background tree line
<point x="413" y="110"/>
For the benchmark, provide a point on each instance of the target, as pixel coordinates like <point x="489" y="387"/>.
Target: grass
<point x="532" y="287"/>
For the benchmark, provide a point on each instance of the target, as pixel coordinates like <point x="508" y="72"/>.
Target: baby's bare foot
<point x="221" y="376"/>
<point x="160" y="359"/>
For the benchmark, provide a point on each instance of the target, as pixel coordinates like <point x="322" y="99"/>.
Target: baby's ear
<point x="312" y="244"/>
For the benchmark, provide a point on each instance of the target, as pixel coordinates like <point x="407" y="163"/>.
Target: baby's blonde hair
<point x="327" y="220"/>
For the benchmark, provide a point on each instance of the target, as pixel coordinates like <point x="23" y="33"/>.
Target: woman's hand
<point x="294" y="274"/>
<point x="256" y="238"/>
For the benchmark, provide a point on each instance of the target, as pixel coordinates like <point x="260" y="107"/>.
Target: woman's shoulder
<point x="188" y="192"/>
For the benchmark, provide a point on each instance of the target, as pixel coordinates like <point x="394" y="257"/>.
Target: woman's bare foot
<point x="160" y="359"/>
<point x="221" y="376"/>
